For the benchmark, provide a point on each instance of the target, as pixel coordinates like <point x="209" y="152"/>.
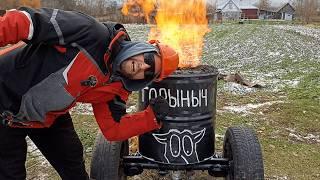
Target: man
<point x="68" y="57"/>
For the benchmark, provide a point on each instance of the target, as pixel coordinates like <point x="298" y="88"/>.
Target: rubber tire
<point x="242" y="148"/>
<point x="106" y="159"/>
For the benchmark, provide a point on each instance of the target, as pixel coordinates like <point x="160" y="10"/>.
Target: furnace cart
<point x="186" y="141"/>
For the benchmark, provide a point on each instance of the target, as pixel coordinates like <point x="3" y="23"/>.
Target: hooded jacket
<point x="62" y="63"/>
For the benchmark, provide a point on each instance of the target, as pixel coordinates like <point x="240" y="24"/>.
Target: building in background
<point x="249" y="11"/>
<point x="235" y="10"/>
<point x="240" y="9"/>
<point x="229" y="10"/>
<point x="267" y="13"/>
<point x="285" y="12"/>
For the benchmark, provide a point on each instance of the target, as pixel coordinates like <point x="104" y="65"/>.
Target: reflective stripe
<point x="65" y="72"/>
<point x="31" y="28"/>
<point x="56" y="26"/>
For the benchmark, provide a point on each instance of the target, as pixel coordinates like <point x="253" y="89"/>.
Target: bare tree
<point x="8" y="4"/>
<point x="310" y="10"/>
<point x="306" y="9"/>
<point x="30" y="3"/>
<point x="61" y="4"/>
<point x="101" y="6"/>
<point x="211" y="10"/>
<point x="264" y="4"/>
<point x="298" y="5"/>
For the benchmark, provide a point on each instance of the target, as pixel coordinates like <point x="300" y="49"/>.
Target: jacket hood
<point x="127" y="50"/>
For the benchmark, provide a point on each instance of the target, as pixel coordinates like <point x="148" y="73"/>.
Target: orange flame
<point x="181" y="24"/>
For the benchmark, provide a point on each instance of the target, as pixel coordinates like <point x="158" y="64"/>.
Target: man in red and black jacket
<point x="60" y="58"/>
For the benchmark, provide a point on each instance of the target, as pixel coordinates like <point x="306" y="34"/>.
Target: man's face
<point x="135" y="67"/>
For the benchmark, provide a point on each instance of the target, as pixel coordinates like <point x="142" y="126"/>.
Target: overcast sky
<point x="273" y="2"/>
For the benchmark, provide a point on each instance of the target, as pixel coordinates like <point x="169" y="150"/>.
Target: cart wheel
<point x="106" y="159"/>
<point x="242" y="148"/>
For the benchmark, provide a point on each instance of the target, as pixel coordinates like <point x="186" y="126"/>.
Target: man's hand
<point x="160" y="107"/>
<point x="6" y="117"/>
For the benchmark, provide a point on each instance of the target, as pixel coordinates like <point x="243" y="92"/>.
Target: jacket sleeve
<point x="50" y="26"/>
<point x="118" y="126"/>
<point x="15" y="26"/>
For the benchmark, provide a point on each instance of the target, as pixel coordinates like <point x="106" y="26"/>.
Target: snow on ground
<point x="311" y="32"/>
<point x="262" y="53"/>
<point x="296" y="136"/>
<point x="246" y="109"/>
<point x="39" y="161"/>
<point x="82" y="108"/>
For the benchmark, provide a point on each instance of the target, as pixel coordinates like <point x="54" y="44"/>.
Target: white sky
<point x="273" y="2"/>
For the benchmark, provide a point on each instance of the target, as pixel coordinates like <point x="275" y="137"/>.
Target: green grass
<point x="86" y="128"/>
<point x="283" y="156"/>
<point x="290" y="159"/>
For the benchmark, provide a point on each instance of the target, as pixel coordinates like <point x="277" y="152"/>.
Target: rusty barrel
<point x="187" y="134"/>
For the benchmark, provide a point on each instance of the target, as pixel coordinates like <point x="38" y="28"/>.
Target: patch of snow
<point x="245" y="109"/>
<point x="86" y="109"/>
<point x="303" y="30"/>
<point x="40" y="161"/>
<point x="277" y="178"/>
<point x="131" y="109"/>
<point x="309" y="138"/>
<point x="296" y="137"/>
<point x="237" y="88"/>
<point x="82" y="108"/>
<point x="219" y="137"/>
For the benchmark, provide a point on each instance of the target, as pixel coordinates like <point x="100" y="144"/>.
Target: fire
<point x="179" y="23"/>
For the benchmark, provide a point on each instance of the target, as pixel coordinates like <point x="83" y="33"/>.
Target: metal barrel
<point x="187" y="134"/>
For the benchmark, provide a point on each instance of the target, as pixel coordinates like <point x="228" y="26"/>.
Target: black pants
<point x="59" y="144"/>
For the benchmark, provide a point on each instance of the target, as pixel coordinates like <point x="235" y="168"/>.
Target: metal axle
<point x="134" y="165"/>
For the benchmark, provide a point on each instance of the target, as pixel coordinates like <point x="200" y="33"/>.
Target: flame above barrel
<point x="179" y="23"/>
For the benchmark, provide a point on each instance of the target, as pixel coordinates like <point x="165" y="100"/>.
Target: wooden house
<point x="229" y="11"/>
<point x="249" y="11"/>
<point x="285" y="12"/>
<point x="267" y="13"/>
<point x="236" y="9"/>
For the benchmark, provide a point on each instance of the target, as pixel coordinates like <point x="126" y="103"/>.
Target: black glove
<point x="160" y="107"/>
<point x="6" y="117"/>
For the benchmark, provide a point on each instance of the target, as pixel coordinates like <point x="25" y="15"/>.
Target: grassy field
<point x="285" y="113"/>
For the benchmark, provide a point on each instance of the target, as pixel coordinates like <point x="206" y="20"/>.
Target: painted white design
<point x="179" y="97"/>
<point x="179" y="144"/>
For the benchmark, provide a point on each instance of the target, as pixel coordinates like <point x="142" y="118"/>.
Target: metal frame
<point x="134" y="165"/>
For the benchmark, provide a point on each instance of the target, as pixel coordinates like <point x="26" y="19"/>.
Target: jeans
<point x="59" y="144"/>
